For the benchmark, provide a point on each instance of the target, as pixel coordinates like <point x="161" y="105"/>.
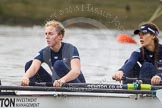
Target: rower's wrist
<point x="62" y="81"/>
<point x="25" y="77"/>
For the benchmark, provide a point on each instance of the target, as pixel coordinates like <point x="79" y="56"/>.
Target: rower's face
<point x="146" y="39"/>
<point x="52" y="37"/>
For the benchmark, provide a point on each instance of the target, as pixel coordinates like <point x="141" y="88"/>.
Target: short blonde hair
<point x="59" y="27"/>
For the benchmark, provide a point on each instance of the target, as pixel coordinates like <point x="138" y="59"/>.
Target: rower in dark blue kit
<point x="145" y="62"/>
<point x="62" y="58"/>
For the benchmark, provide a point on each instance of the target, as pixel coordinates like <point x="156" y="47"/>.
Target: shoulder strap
<point x="47" y="59"/>
<point x="67" y="52"/>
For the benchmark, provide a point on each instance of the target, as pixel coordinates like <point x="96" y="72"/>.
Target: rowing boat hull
<point x="79" y="100"/>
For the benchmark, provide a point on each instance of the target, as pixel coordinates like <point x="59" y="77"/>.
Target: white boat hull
<point x="77" y="100"/>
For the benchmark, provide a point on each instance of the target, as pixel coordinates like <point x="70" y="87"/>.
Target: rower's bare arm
<point x="31" y="72"/>
<point x="73" y="74"/>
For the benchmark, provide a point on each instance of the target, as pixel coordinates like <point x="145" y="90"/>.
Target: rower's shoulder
<point x="138" y="50"/>
<point x="67" y="44"/>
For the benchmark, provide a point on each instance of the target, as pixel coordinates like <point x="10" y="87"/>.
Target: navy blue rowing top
<point x="56" y="55"/>
<point x="136" y="56"/>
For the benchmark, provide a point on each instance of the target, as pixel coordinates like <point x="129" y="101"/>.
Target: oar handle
<point x="131" y="79"/>
<point x="138" y="80"/>
<point x="145" y="80"/>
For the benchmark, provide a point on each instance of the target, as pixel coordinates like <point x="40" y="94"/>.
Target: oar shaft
<point x="104" y="86"/>
<point x="71" y="89"/>
<point x="82" y="85"/>
<point x="47" y="84"/>
<point x="115" y="86"/>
